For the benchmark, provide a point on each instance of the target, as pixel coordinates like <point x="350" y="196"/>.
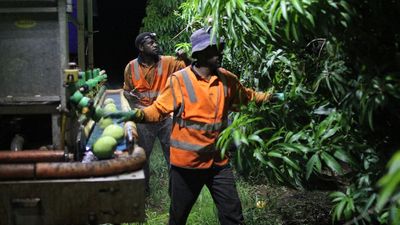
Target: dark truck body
<point x="33" y="56"/>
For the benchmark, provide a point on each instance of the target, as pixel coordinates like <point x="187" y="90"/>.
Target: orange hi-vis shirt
<point x="200" y="113"/>
<point x="144" y="83"/>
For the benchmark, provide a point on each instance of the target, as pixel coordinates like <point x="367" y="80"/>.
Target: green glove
<point x="278" y="97"/>
<point x="97" y="113"/>
<point x="135" y="115"/>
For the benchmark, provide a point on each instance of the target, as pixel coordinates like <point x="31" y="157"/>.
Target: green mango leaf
<point x="287" y="147"/>
<point x="237" y="138"/>
<point x="275" y="154"/>
<point x="329" y="133"/>
<point x="256" y="138"/>
<point x="260" y="23"/>
<point x="310" y="165"/>
<point x="331" y="162"/>
<point x="337" y="195"/>
<point x="284" y="10"/>
<point x="291" y="163"/>
<point x="389" y="183"/>
<point x="228" y="9"/>
<point x="259" y="156"/>
<point x="337" y="213"/>
<point x="243" y="140"/>
<point x="344" y="156"/>
<point x="294" y="31"/>
<point x="273" y="139"/>
<point x="349" y="209"/>
<point x="346" y="6"/>
<point x="310" y="18"/>
<point x="370" y="201"/>
<point x="272" y="10"/>
<point x="298" y="6"/>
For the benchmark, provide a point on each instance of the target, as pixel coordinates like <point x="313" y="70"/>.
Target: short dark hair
<point x="141" y="37"/>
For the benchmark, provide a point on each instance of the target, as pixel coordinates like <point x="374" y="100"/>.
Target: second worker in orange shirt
<point x="144" y="78"/>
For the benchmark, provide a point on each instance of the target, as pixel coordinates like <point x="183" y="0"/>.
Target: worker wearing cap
<point x="200" y="96"/>
<point x="144" y="78"/>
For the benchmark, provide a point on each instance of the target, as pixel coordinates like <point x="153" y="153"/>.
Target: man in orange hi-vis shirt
<point x="144" y="78"/>
<point x="200" y="96"/>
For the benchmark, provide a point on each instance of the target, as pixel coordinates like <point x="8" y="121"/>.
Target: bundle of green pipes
<point x="86" y="90"/>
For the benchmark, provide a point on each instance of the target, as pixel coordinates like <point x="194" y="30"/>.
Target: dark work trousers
<point x="186" y="185"/>
<point x="147" y="134"/>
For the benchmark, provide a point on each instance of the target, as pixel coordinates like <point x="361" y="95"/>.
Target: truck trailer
<point x="49" y="122"/>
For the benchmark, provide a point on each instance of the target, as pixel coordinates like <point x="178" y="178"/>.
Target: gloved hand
<point x="135" y="115"/>
<point x="97" y="113"/>
<point x="277" y="97"/>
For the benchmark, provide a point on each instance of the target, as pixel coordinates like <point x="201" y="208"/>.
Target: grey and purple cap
<point x="201" y="39"/>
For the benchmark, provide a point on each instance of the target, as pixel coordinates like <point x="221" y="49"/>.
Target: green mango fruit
<point x="104" y="147"/>
<point x="105" y="122"/>
<point x="110" y="108"/>
<point x="108" y="101"/>
<point x="114" y="131"/>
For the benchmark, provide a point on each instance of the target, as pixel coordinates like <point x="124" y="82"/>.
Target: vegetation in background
<point x="163" y="19"/>
<point x="338" y="64"/>
<point x="389" y="195"/>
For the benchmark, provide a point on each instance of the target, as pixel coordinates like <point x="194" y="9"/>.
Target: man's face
<point x="211" y="56"/>
<point x="149" y="47"/>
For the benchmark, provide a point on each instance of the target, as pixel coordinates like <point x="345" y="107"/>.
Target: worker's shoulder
<point x="228" y="74"/>
<point x="182" y="71"/>
<point x="131" y="62"/>
<point x="168" y="58"/>
<point x="128" y="65"/>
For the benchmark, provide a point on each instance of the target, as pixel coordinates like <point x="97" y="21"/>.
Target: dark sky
<point x="117" y="23"/>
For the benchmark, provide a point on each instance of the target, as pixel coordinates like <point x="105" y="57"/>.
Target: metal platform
<point x="113" y="199"/>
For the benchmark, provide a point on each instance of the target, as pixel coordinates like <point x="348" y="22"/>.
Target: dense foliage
<point x="338" y="63"/>
<point x="162" y="18"/>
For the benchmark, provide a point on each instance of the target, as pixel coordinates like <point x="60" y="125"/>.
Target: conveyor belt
<point x="97" y="131"/>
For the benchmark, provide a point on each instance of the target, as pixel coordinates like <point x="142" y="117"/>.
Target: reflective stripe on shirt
<point x="136" y="68"/>
<point x="191" y="147"/>
<point x="189" y="86"/>
<point x="211" y="127"/>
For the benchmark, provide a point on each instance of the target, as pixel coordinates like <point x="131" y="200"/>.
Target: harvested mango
<point x="105" y="122"/>
<point x="108" y="101"/>
<point x="114" y="131"/>
<point x="111" y="107"/>
<point x="104" y="147"/>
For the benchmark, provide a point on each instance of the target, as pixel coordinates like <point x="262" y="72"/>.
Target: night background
<point x="116" y="26"/>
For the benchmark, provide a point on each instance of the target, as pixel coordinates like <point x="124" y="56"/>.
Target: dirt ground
<point x="295" y="207"/>
<point x="305" y="207"/>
